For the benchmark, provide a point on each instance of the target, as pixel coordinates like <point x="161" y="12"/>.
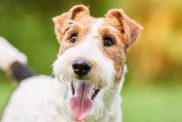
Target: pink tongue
<point x="81" y="103"/>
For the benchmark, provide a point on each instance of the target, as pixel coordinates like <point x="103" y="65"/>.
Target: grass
<point x="152" y="103"/>
<point x="5" y="91"/>
<point x="140" y="103"/>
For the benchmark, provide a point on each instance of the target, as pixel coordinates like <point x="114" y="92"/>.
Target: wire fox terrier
<point x="88" y="71"/>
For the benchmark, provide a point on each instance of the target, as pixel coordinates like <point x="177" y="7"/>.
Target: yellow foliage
<point x="159" y="50"/>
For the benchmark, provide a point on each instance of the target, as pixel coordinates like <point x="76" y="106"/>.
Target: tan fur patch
<point x="81" y="26"/>
<point x="116" y="52"/>
<point x="117" y="25"/>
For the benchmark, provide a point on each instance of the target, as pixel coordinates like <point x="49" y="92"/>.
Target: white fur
<point x="37" y="99"/>
<point x="89" y="50"/>
<point x="103" y="73"/>
<point x="9" y="54"/>
<point x="41" y="99"/>
<point x="44" y="99"/>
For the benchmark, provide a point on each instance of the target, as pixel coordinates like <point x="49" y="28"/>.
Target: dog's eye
<point x="73" y="37"/>
<point x="108" y="41"/>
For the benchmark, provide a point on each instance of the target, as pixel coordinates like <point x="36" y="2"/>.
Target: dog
<point x="88" y="72"/>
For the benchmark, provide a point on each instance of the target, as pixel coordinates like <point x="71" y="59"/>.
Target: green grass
<point x="140" y="103"/>
<point x="152" y="103"/>
<point x="5" y="91"/>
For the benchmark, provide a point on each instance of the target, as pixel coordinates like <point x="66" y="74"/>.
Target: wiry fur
<point x="45" y="99"/>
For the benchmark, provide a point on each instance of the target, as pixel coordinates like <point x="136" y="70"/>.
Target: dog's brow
<point x="72" y="24"/>
<point x="110" y="29"/>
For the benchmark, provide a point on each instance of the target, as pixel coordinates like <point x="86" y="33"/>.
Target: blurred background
<point x="153" y="86"/>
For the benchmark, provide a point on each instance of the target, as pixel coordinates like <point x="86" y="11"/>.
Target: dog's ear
<point x="62" y="20"/>
<point x="125" y="24"/>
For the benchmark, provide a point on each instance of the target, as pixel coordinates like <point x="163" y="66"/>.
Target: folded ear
<point x="126" y="25"/>
<point x="62" y="20"/>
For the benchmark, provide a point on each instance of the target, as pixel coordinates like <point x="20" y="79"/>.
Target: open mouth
<point x="82" y="100"/>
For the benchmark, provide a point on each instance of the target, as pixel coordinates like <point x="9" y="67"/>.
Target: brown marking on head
<point x="116" y="52"/>
<point x="122" y="30"/>
<point x="129" y="31"/>
<point x="125" y="25"/>
<point x="77" y="20"/>
<point x="64" y="20"/>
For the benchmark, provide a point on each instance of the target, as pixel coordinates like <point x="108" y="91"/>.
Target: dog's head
<point x="91" y="57"/>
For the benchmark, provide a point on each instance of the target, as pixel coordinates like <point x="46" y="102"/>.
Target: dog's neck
<point x="113" y="106"/>
<point x="113" y="102"/>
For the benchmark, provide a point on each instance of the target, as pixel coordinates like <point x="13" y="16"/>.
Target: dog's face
<point x="92" y="57"/>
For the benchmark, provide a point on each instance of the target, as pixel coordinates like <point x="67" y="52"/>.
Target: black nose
<point x="81" y="67"/>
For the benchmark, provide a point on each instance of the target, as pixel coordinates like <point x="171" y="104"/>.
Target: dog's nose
<point x="81" y="67"/>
